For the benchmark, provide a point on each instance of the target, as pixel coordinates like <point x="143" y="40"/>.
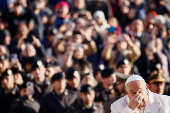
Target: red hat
<point x="60" y="4"/>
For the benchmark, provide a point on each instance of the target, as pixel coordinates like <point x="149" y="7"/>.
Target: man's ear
<point x="147" y="85"/>
<point x="126" y="90"/>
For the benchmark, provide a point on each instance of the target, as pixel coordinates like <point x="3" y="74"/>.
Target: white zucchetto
<point x="134" y="78"/>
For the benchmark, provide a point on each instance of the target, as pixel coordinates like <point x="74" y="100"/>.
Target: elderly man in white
<point x="140" y="99"/>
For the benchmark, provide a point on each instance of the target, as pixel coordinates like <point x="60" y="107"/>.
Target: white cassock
<point x="156" y="104"/>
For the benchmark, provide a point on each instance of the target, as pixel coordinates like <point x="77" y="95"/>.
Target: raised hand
<point x="135" y="101"/>
<point x="36" y="41"/>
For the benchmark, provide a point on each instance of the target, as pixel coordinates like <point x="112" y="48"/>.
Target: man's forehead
<point x="8" y="76"/>
<point x="135" y="84"/>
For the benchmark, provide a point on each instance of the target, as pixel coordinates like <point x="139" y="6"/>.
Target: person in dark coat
<point x="86" y="104"/>
<point x="52" y="67"/>
<point x="147" y="60"/>
<point x="109" y="79"/>
<point x="25" y="103"/>
<point x="9" y="91"/>
<point x="73" y="79"/>
<point x="60" y="99"/>
<point x="42" y="85"/>
<point x="97" y="75"/>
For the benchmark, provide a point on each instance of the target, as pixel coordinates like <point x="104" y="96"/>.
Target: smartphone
<point x="14" y="57"/>
<point x="30" y="87"/>
<point x="49" y="52"/>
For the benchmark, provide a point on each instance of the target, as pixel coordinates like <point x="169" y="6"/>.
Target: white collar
<point x="150" y="102"/>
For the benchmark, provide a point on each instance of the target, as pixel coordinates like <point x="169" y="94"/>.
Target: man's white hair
<point x="134" y="78"/>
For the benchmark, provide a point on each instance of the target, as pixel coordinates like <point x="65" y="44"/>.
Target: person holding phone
<point x="25" y="103"/>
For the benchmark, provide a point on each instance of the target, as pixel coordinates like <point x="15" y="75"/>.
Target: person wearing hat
<point x="73" y="80"/>
<point x="8" y="92"/>
<point x="60" y="99"/>
<point x="52" y="67"/>
<point x="119" y="88"/>
<point x="120" y="83"/>
<point x="19" y="76"/>
<point x="4" y="63"/>
<point x="157" y="83"/>
<point x="88" y="78"/>
<point x="155" y="69"/>
<point x="18" y="79"/>
<point x="62" y="8"/>
<point x="124" y="67"/>
<point x="25" y="102"/>
<point x="41" y="84"/>
<point x="98" y="77"/>
<point x="86" y="102"/>
<point x="140" y="99"/>
<point x="109" y="79"/>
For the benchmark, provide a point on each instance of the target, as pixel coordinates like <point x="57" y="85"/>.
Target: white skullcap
<point x="99" y="14"/>
<point x="134" y="78"/>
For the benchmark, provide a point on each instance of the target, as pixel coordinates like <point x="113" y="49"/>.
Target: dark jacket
<point x="23" y="105"/>
<point x="41" y="89"/>
<point x="78" y="107"/>
<point x="54" y="103"/>
<point x="60" y="21"/>
<point x="6" y="99"/>
<point x="76" y="91"/>
<point x="105" y="95"/>
<point x="144" y="64"/>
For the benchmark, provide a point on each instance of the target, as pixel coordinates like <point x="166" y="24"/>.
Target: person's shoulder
<point x="48" y="95"/>
<point x="70" y="92"/>
<point x="98" y="105"/>
<point x="163" y="99"/>
<point x="120" y="101"/>
<point x="161" y="96"/>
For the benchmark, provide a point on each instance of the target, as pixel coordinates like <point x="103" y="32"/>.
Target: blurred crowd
<point x="74" y="56"/>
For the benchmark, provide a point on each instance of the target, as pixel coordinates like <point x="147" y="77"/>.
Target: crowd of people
<point x="74" y="56"/>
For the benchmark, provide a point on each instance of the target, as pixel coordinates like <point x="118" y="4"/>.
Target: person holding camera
<point x="124" y="48"/>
